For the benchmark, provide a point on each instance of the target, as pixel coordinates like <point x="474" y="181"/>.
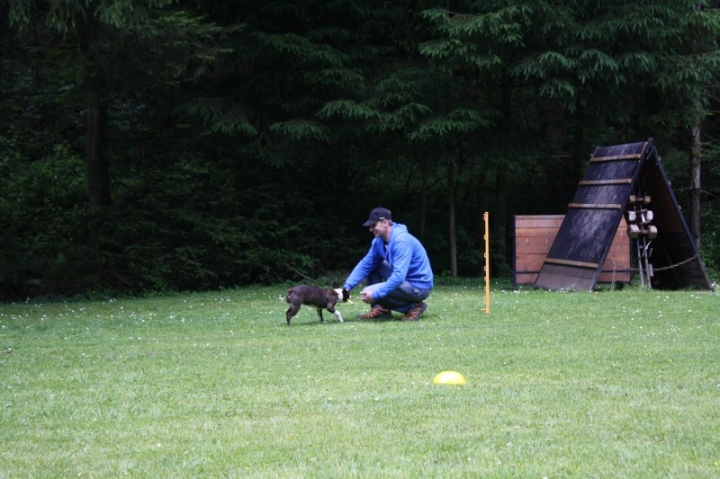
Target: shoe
<point x="377" y="312"/>
<point x="415" y="312"/>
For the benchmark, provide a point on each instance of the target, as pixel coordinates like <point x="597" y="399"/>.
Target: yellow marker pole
<point x="486" y="217"/>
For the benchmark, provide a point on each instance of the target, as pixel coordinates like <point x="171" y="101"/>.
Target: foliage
<point x="42" y="210"/>
<point x="244" y="142"/>
<point x="710" y="244"/>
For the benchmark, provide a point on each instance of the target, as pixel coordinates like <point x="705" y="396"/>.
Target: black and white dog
<point x="318" y="297"/>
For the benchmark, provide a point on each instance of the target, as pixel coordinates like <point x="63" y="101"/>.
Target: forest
<point x="161" y="145"/>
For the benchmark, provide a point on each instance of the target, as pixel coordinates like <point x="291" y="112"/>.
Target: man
<point x="397" y="269"/>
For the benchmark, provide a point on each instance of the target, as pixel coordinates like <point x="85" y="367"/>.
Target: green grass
<point x="606" y="384"/>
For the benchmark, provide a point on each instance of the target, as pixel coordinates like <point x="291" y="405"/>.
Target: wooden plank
<point x="557" y="277"/>
<point x="550" y="231"/>
<point x="567" y="262"/>
<point x="530" y="265"/>
<point x="618" y="277"/>
<point x="538" y="221"/>
<point x="536" y="228"/>
<point x="606" y="276"/>
<point x="618" y="253"/>
<point x="533" y="243"/>
<point x="635" y="156"/>
<point x="623" y="181"/>
<point x="596" y="206"/>
<point x="532" y="249"/>
<point x="605" y="270"/>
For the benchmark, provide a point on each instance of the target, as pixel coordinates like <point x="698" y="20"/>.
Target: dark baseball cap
<point x="376" y="215"/>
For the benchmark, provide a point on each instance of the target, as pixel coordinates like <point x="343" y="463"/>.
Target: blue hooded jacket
<point x="406" y="255"/>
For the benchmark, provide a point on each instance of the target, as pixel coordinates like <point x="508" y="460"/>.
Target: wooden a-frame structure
<point x="617" y="179"/>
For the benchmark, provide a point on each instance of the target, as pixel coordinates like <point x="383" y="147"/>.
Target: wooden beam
<point x="567" y="262"/>
<point x="623" y="181"/>
<point x="596" y="206"/>
<point x="635" y="156"/>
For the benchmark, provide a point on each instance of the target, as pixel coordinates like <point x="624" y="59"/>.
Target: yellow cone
<point x="449" y="377"/>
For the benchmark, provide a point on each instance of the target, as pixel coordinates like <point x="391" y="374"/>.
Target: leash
<point x="314" y="281"/>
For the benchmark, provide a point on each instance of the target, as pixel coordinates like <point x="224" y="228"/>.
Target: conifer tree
<point x="110" y="43"/>
<point x="598" y="72"/>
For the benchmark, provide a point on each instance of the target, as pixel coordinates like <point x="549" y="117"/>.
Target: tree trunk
<point x="451" y="217"/>
<point x="480" y="202"/>
<point x="559" y="179"/>
<point x="425" y="163"/>
<point x="98" y="168"/>
<point x="498" y="221"/>
<point x="501" y="178"/>
<point x="580" y="157"/>
<point x="695" y="166"/>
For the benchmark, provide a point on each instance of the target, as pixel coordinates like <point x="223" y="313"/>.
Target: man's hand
<point x="366" y="297"/>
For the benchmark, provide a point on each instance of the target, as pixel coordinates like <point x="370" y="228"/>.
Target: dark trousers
<point x="402" y="298"/>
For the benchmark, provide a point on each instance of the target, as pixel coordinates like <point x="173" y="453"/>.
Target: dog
<point x="318" y="297"/>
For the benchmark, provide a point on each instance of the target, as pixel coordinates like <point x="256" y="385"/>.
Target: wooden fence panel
<point x="534" y="235"/>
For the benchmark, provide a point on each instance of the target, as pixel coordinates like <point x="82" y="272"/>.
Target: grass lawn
<point x="605" y="384"/>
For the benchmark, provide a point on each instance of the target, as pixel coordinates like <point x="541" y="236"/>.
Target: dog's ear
<point x="336" y="285"/>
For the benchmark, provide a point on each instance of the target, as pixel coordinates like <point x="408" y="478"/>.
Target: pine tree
<point x="111" y="48"/>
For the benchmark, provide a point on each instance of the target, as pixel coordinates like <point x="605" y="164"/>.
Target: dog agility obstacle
<point x="616" y="179"/>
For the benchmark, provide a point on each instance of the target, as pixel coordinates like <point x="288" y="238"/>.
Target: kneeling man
<point x="397" y="269"/>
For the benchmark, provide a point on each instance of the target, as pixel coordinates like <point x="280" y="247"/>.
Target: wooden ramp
<point x="534" y="234"/>
<point x="614" y="176"/>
